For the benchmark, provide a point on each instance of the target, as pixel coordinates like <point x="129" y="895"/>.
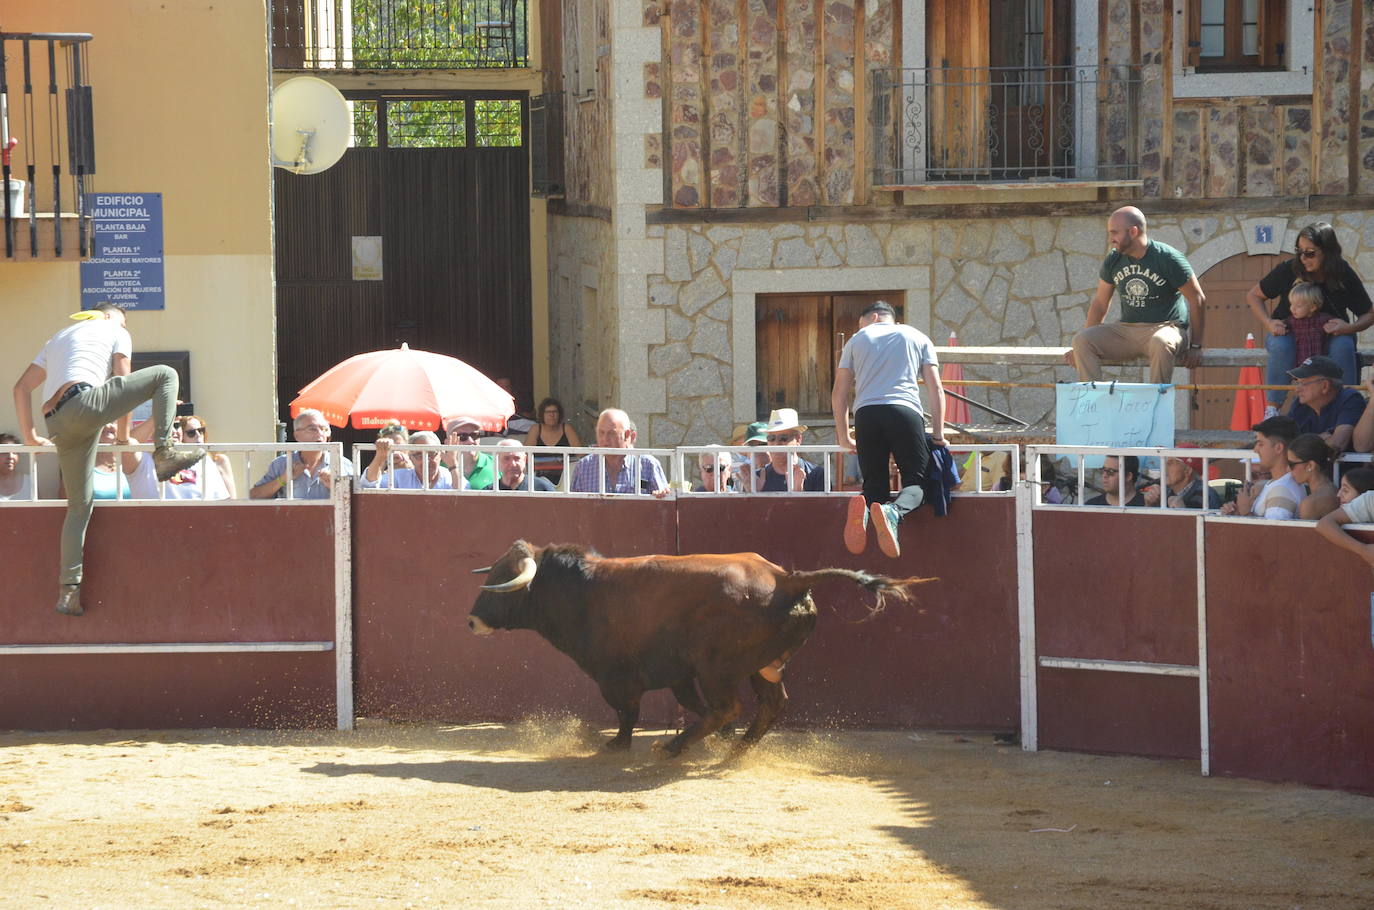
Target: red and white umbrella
<point x="418" y="389"/>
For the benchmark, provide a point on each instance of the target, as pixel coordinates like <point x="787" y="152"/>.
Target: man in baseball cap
<point x="1324" y="406"/>
<point x="477" y="468"/>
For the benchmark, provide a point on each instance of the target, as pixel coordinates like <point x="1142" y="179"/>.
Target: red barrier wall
<point x="1123" y="713"/>
<point x="171" y="574"/>
<point x="1115" y="586"/>
<point x="416" y="658"/>
<point x="1291" y="664"/>
<point x="949" y="658"/>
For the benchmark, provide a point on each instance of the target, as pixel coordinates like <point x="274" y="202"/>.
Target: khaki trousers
<point x="75" y="430"/>
<point x="1160" y="342"/>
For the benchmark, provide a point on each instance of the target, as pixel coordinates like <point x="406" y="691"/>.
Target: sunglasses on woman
<point x="193" y="431"/>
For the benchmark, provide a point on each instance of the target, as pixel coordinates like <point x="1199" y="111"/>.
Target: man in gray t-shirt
<point x="878" y="375"/>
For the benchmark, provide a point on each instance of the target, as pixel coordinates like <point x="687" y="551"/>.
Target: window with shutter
<point x="798" y="339"/>
<point x="1236" y="35"/>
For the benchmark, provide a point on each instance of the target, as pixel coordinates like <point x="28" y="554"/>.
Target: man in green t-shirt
<point x="477" y="469"/>
<point x="1161" y="304"/>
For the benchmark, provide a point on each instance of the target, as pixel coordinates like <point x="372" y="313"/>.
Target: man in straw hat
<point x="784" y="429"/>
<point x="86" y="379"/>
<point x="877" y="375"/>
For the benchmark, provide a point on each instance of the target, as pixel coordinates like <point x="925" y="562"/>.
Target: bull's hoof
<point x="617" y="744"/>
<point x="671" y="749"/>
<point x="729" y="731"/>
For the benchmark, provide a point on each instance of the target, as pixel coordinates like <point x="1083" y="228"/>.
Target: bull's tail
<point x="881" y="586"/>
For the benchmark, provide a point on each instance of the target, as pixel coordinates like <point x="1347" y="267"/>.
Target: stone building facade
<point x="727" y="149"/>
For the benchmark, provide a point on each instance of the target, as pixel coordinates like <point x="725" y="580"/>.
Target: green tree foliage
<point x="439" y="34"/>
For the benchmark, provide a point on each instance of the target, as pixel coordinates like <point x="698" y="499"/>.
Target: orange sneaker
<point x="856" y="525"/>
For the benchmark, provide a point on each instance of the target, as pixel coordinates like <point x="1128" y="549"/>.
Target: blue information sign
<point x="125" y="267"/>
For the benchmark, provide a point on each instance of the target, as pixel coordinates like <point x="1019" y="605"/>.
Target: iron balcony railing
<point x="45" y="123"/>
<point x="399" y="34"/>
<point x="1005" y="125"/>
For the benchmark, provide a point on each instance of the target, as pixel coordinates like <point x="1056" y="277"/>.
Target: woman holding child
<point x="1322" y="303"/>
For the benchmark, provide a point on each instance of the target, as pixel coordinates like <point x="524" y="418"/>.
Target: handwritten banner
<point x="1114" y="414"/>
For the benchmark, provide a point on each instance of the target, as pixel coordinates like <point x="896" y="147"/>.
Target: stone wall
<point x="582" y="320"/>
<point x="762" y="97"/>
<point x="1365" y="171"/>
<point x="1241" y="148"/>
<point x="1023" y="282"/>
<point x="586" y="116"/>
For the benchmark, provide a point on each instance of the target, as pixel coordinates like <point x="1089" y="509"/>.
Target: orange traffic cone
<point x="1249" y="407"/>
<point x="952" y="376"/>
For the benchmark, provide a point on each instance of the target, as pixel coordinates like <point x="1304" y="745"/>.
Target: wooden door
<point x="957" y="57"/>
<point x="1228" y="320"/>
<point x="1030" y="102"/>
<point x="798" y="339"/>
<point x="454" y="223"/>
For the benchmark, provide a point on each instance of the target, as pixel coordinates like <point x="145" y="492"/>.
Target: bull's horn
<point x="522" y="579"/>
<point x="481" y="571"/>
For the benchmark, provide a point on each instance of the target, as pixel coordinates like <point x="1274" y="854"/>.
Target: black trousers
<point x="883" y="430"/>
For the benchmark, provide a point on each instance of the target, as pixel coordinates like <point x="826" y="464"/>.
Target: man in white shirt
<point x="1280" y="496"/>
<point x="86" y="379"/>
<point x="1359" y="511"/>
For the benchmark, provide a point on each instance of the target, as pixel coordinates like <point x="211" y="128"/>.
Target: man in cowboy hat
<point x="86" y="380"/>
<point x="784" y="429"/>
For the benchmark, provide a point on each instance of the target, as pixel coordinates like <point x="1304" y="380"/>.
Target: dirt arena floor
<point x="533" y="815"/>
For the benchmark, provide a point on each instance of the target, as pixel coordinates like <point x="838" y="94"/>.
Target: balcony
<point x="372" y="35"/>
<point x="47" y="146"/>
<point x="1005" y="126"/>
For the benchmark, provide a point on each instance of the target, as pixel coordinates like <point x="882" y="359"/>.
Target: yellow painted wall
<point x="180" y="93"/>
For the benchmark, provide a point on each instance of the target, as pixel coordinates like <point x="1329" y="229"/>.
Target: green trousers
<point x="75" y="430"/>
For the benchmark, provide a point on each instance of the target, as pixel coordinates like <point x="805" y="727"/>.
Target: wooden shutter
<point x="1192" y="50"/>
<point x="793" y="344"/>
<point x="957" y="55"/>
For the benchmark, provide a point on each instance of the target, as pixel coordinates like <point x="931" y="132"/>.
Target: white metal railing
<point x="245" y="460"/>
<point x="973" y="459"/>
<point x="986" y="470"/>
<point x="1245" y="458"/>
<point x="1082" y="484"/>
<point x="570" y="456"/>
<point x="681" y="468"/>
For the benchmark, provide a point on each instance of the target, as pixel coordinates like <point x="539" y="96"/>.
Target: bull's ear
<point x="522" y="547"/>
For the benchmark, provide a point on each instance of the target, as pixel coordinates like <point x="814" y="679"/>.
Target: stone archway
<point x="1228" y="320"/>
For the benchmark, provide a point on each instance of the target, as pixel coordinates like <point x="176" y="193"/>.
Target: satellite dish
<point x="311" y="125"/>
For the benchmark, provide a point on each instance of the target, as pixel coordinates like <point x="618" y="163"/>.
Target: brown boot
<point x="169" y="461"/>
<point x="69" y="600"/>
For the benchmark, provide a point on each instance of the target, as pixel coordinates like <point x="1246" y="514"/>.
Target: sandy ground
<point x="533" y="815"/>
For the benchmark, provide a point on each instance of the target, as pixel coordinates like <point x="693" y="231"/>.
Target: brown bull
<point x="698" y="625"/>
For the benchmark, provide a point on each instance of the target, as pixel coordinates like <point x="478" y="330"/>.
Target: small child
<point x="1306" y="321"/>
